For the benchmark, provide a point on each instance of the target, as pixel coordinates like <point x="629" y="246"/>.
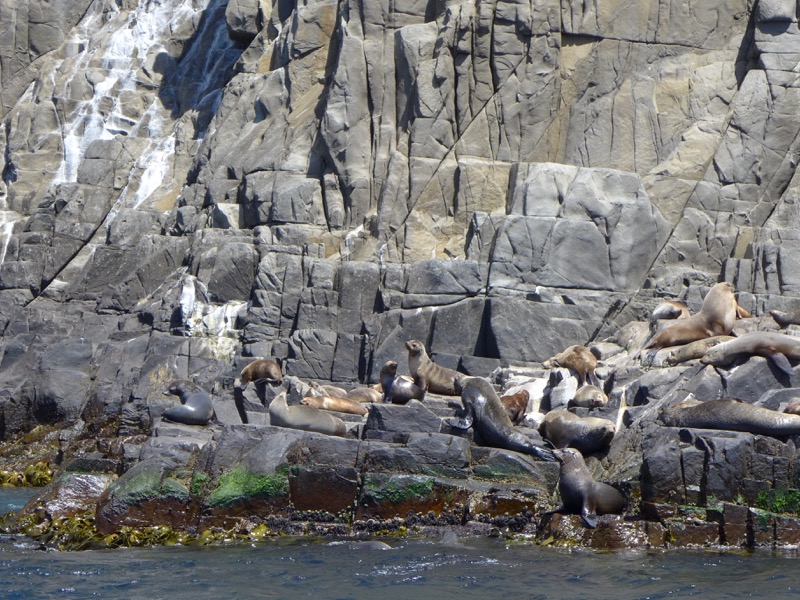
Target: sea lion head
<point x="389" y="368"/>
<point x="565" y="455"/>
<point x="181" y="386"/>
<point x="415" y="347"/>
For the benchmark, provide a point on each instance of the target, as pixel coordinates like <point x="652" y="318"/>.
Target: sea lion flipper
<point x="589" y="518"/>
<point x="781" y="362"/>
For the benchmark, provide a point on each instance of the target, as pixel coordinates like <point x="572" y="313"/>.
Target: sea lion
<point x="306" y="418"/>
<point x="588" y="396"/>
<point x="717" y="317"/>
<point x="579" y="359"/>
<point x="516" y="405"/>
<point x="486" y="415"/>
<point x="427" y="374"/>
<point x="196" y="405"/>
<point x="581" y="494"/>
<point x="586" y="434"/>
<point x="778" y="347"/>
<point x="263" y="369"/>
<point x="696" y="349"/>
<point x="367" y="395"/>
<point x="327" y="390"/>
<point x="341" y="405"/>
<point x="730" y="414"/>
<point x="670" y="309"/>
<point x="784" y="319"/>
<point x="793" y="408"/>
<point x="398" y="389"/>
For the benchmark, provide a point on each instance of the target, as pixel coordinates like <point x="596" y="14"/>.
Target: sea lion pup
<point x="367" y="395"/>
<point x="717" y="317"/>
<point x="778" y="347"/>
<point x="516" y="405"/>
<point x="579" y="359"/>
<point x="486" y="415"/>
<point x="427" y="374"/>
<point x="341" y="405"/>
<point x="670" y="309"/>
<point x="263" y="369"/>
<point x="398" y="389"/>
<point x="306" y="418"/>
<point x="696" y="349"/>
<point x="730" y="414"/>
<point x="581" y="494"/>
<point x="588" y="396"/>
<point x="564" y="429"/>
<point x="196" y="405"/>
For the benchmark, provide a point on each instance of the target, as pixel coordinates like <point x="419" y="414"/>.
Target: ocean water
<point x="322" y="569"/>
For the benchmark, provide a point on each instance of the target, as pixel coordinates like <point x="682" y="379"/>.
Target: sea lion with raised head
<point x="486" y="415"/>
<point x="579" y="359"/>
<point x="396" y="388"/>
<point x="581" y="494"/>
<point x="716" y="317"/>
<point x="427" y="374"/>
<point x="588" y="396"/>
<point x="341" y="405"/>
<point x="263" y="369"/>
<point x="196" y="406"/>
<point x="730" y="414"/>
<point x="777" y="347"/>
<point x="306" y="418"/>
<point x="696" y="349"/>
<point x="564" y="429"/>
<point x="516" y="404"/>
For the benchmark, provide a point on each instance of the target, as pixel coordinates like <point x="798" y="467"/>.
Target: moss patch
<point x="397" y="493"/>
<point x="241" y="483"/>
<point x="781" y="501"/>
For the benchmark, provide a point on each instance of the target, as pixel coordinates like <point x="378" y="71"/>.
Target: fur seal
<point x="486" y="415"/>
<point x="581" y="494"/>
<point x="784" y="319"/>
<point x="427" y="374"/>
<point x="696" y="349"/>
<point x="589" y="396"/>
<point x="731" y="415"/>
<point x="579" y="359"/>
<point x="327" y="390"/>
<point x="398" y="389"/>
<point x="263" y="369"/>
<point x="516" y="405"/>
<point x="778" y="347"/>
<point x="306" y="418"/>
<point x="341" y="405"/>
<point x="670" y="309"/>
<point x="717" y="317"/>
<point x="564" y="429"/>
<point x="196" y="405"/>
<point x="368" y="395"/>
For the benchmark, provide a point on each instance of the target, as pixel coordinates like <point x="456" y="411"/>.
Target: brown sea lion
<point x="364" y="394"/>
<point x="581" y="494"/>
<point x="306" y="418"/>
<point x="670" y="309"/>
<point x="427" y="374"/>
<point x="778" y="347"/>
<point x="486" y="415"/>
<point x="730" y="414"/>
<point x="336" y="404"/>
<point x="793" y="408"/>
<point x="696" y="349"/>
<point x="396" y="388"/>
<point x="516" y="405"/>
<point x="263" y="369"/>
<point x="586" y="434"/>
<point x="327" y="390"/>
<point x="588" y="396"/>
<point x="579" y="359"/>
<point x="717" y="317"/>
<point x="196" y="406"/>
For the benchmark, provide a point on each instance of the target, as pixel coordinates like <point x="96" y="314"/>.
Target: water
<point x="302" y="568"/>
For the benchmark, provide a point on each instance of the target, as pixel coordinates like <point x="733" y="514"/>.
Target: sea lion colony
<point x="498" y="421"/>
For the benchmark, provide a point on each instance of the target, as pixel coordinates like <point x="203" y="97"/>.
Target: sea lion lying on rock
<point x="336" y="404"/>
<point x="396" y="388"/>
<point x="564" y="429"/>
<point x="486" y="415"/>
<point x="263" y="369"/>
<point x="778" y="347"/>
<point x="730" y="414"/>
<point x="695" y="350"/>
<point x="516" y="404"/>
<point x="784" y="319"/>
<point x="306" y="418"/>
<point x="196" y="405"/>
<point x="427" y="374"/>
<point x="588" y="396"/>
<point x="576" y="358"/>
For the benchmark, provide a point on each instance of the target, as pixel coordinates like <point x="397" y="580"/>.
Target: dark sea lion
<point x="398" y="389"/>
<point x="784" y="319"/>
<point x="306" y="418"/>
<point x="196" y="405"/>
<point x="579" y="359"/>
<point x="486" y="415"/>
<point x="589" y="396"/>
<point x="263" y="369"/>
<point x="564" y="429"/>
<point x="717" y="317"/>
<point x="696" y="349"/>
<point x="670" y="309"/>
<point x="778" y="347"/>
<point x="730" y="414"/>
<point x="336" y="404"/>
<point x="516" y="404"/>
<point x="427" y="374"/>
<point x="581" y="494"/>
